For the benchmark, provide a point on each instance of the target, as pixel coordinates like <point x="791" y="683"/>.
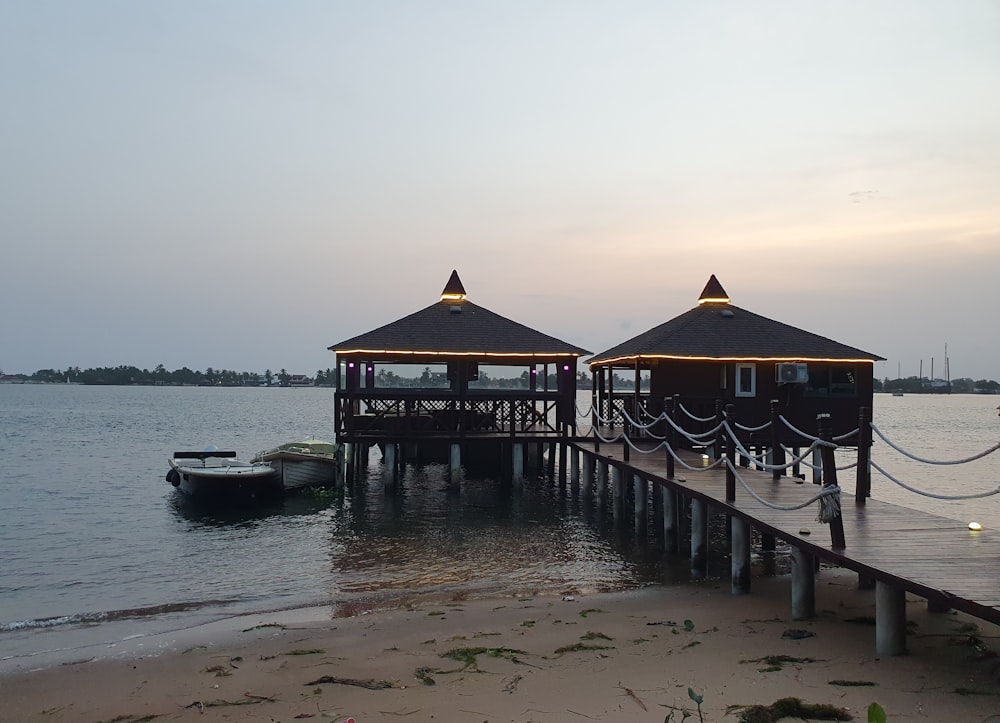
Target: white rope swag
<point x="829" y="497"/>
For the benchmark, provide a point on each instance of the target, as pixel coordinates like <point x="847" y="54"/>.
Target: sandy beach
<point x="573" y="657"/>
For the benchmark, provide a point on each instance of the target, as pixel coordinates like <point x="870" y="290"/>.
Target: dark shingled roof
<point x="721" y="330"/>
<point x="458" y="327"/>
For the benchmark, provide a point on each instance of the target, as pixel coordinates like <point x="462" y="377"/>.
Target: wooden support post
<point x="740" y="553"/>
<point x="699" y="538"/>
<point x="455" y="466"/>
<point x="517" y="464"/>
<point x="574" y="467"/>
<point x="641" y="493"/>
<point x="830" y="479"/>
<point x="389" y="469"/>
<point x="731" y="455"/>
<point x="817" y="468"/>
<point x="865" y="582"/>
<point x="767" y="542"/>
<point x="551" y="466"/>
<point x="720" y="436"/>
<point x="349" y="452"/>
<point x="797" y="467"/>
<point x="562" y="472"/>
<point x="803" y="584"/>
<point x="890" y="619"/>
<point x="670" y="406"/>
<point x="863" y="486"/>
<point x="671" y="542"/>
<point x="617" y="494"/>
<point x="776" y="440"/>
<point x="588" y="474"/>
<point x="602" y="481"/>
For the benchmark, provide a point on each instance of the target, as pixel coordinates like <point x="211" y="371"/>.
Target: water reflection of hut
<point x="454" y="380"/>
<point x="718" y="354"/>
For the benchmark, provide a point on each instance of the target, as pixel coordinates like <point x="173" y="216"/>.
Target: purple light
<point x="534" y="371"/>
<point x="566" y="367"/>
<point x="370" y="368"/>
<point x="350" y="365"/>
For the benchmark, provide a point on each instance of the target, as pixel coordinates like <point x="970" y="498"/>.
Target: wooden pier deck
<point x="928" y="555"/>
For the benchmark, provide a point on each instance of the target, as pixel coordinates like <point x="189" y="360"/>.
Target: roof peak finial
<point x="453" y="290"/>
<point x="713" y="293"/>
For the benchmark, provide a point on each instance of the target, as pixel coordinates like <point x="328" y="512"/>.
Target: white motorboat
<point x="218" y="475"/>
<point x="309" y="463"/>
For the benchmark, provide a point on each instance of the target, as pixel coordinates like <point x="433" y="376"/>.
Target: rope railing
<point x="802" y="461"/>
<point x="903" y="452"/>
<point x="973" y="496"/>
<point x="825" y="493"/>
<point x="693" y="417"/>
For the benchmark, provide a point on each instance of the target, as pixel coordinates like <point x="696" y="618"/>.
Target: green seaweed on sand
<point x="581" y="647"/>
<point x="590" y="635"/>
<point x="776" y="662"/>
<point x="792" y="708"/>
<point x="468" y="656"/>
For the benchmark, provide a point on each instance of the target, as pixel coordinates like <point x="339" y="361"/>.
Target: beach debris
<point x="797" y="634"/>
<point x="588" y="611"/>
<point x="511" y="687"/>
<point x="528" y="624"/>
<point x="306" y="651"/>
<point x="220" y="671"/>
<point x="689" y="626"/>
<point x="468" y="656"/>
<point x="248" y="700"/>
<point x="264" y="625"/>
<point x="792" y="708"/>
<point x="369" y="684"/>
<point x="669" y="623"/>
<point x="852" y="683"/>
<point x="589" y="635"/>
<point x="804" y="531"/>
<point x="631" y="694"/>
<point x="777" y="662"/>
<point x="568" y="598"/>
<point x="424" y="675"/>
<point x="581" y="647"/>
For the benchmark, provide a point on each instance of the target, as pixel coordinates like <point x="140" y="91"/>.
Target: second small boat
<point x="309" y="463"/>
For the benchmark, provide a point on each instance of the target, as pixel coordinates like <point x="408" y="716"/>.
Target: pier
<point x="650" y="480"/>
<point x="720" y="411"/>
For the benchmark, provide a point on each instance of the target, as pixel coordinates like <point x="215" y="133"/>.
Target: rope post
<point x="837" y="540"/>
<point x="669" y="409"/>
<point x="720" y="436"/>
<point x="731" y="455"/>
<point x="775" y="441"/>
<point x="863" y="488"/>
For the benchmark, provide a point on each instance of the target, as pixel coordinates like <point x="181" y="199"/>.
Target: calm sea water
<point x="97" y="548"/>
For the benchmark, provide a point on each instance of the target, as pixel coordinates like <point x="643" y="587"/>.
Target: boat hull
<point x="298" y="472"/>
<point x="232" y="481"/>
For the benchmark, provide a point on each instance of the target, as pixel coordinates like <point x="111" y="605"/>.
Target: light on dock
<point x="975" y="526"/>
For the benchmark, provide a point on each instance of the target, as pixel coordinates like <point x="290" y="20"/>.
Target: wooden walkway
<point x="931" y="556"/>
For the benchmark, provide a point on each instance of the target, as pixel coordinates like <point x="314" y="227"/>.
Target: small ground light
<point x="975" y="526"/>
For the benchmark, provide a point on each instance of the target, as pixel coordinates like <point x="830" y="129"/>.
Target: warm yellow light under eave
<point x="502" y="355"/>
<point x="721" y="300"/>
<point x="452" y="297"/>
<point x="649" y="357"/>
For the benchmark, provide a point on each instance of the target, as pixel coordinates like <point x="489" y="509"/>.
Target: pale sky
<point x="241" y="184"/>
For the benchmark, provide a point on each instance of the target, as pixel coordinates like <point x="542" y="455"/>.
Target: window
<point x="746" y="380"/>
<point x="831" y="381"/>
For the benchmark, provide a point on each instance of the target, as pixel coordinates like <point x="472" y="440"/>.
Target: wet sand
<point x="629" y="656"/>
